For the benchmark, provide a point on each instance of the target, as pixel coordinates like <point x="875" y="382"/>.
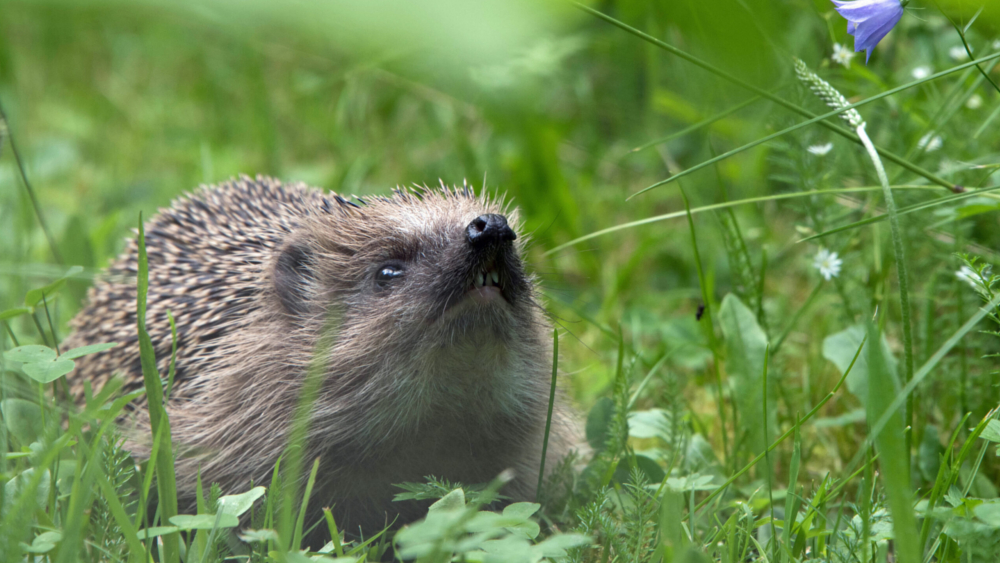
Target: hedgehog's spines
<point x="214" y="260"/>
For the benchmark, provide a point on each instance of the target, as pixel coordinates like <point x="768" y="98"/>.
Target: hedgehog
<point x="437" y="358"/>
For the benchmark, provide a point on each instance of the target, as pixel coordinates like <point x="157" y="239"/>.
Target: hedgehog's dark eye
<point x="387" y="274"/>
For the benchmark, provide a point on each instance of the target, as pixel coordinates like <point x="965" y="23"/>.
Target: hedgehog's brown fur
<point x="416" y="385"/>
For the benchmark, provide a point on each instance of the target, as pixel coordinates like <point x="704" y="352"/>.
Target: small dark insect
<point x="700" y="312"/>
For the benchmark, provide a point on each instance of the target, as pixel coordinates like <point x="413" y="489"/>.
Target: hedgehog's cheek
<point x="293" y="277"/>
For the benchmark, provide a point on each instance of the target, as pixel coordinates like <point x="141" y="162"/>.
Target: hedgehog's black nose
<point x="489" y="229"/>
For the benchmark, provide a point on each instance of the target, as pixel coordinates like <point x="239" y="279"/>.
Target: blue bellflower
<point x="870" y="20"/>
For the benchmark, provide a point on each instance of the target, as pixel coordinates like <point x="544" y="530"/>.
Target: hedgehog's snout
<point x="489" y="230"/>
<point x="494" y="266"/>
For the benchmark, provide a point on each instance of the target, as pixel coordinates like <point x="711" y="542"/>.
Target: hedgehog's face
<point x="404" y="270"/>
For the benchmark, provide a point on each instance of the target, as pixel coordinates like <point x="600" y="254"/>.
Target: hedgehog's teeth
<point x="496" y="277"/>
<point x="479" y="279"/>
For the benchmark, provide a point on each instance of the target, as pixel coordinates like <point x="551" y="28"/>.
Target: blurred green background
<point x="118" y="107"/>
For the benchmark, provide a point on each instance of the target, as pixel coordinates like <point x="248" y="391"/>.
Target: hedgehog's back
<point x="206" y="255"/>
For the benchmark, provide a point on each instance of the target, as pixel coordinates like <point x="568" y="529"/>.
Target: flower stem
<point x="904" y="297"/>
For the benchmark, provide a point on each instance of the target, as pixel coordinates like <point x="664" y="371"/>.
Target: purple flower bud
<point x="869" y="21"/>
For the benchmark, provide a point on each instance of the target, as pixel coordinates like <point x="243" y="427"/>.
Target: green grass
<point x="737" y="404"/>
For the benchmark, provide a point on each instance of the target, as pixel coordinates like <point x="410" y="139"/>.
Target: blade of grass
<point x="172" y="370"/>
<point x="902" y="211"/>
<point x="714" y="206"/>
<point x="965" y="43"/>
<point x="652" y="371"/>
<point x="844" y="132"/>
<point x="787" y="433"/>
<point x="129" y="532"/>
<point x="548" y="417"/>
<point x="696" y="126"/>
<point x="295" y="448"/>
<point x="334" y="532"/>
<point x="902" y="278"/>
<point x="18" y="519"/>
<point x="925" y="370"/>
<point x="166" y="480"/>
<point x="791" y="498"/>
<point x="300" y="523"/>
<point x="986" y="122"/>
<point x="798" y="315"/>
<point x="767" y="458"/>
<point x="892" y="445"/>
<point x="209" y="544"/>
<point x="798" y="126"/>
<point x="709" y="329"/>
<point x="5" y="132"/>
<point x="957" y="467"/>
<point x="81" y="498"/>
<point x="942" y="481"/>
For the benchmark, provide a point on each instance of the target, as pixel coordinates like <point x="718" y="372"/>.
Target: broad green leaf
<point x="652" y="423"/>
<point x="156" y="531"/>
<point x="65" y="474"/>
<point x="43" y="543"/>
<point x="693" y="482"/>
<point x="203" y="521"/>
<point x="507" y="549"/>
<point x="38" y="547"/>
<point x="23" y="419"/>
<point x="840" y="348"/>
<point x="516" y="522"/>
<point x="54" y="536"/>
<point x="85" y="350"/>
<point x="265" y="534"/>
<point x="238" y="504"/>
<point x="746" y="344"/>
<point x="989" y="512"/>
<point x="16" y="312"/>
<point x="35" y="296"/>
<point x="17" y="486"/>
<point x="850" y="417"/>
<point x="47" y="372"/>
<point x="454" y="500"/>
<point x="30" y="353"/>
<point x="521" y="510"/>
<point x="647" y="465"/>
<point x="992" y="431"/>
<point x="300" y="557"/>
<point x="557" y="545"/>
<point x="894" y="458"/>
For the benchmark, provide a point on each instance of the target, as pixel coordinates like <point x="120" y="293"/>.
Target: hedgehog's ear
<point x="293" y="277"/>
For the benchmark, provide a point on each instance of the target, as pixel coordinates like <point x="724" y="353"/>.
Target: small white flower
<point x="996" y="45"/>
<point x="958" y="53"/>
<point x="842" y="55"/>
<point x="930" y="142"/>
<point x="975" y="101"/>
<point x="820" y="150"/>
<point x="827" y="263"/>
<point x="921" y="72"/>
<point x="970" y="276"/>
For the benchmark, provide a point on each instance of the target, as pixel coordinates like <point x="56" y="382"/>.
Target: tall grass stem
<point x="709" y="329"/>
<point x="904" y="291"/>
<point x="5" y="132"/>
<point x="842" y="131"/>
<point x="548" y="417"/>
